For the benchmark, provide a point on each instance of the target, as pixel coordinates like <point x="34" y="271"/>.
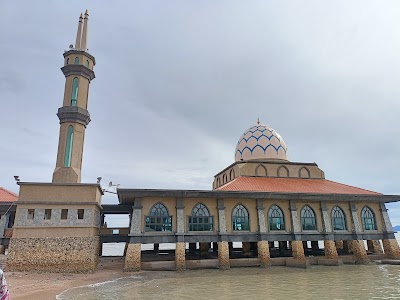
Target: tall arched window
<point x="368" y="218"/>
<point x="87" y="63"/>
<point x="68" y="146"/>
<point x="275" y="218"/>
<point x="158" y="219"/>
<point x="75" y="88"/>
<point x="240" y="218"/>
<point x="200" y="220"/>
<point x="67" y="60"/>
<point x="308" y="220"/>
<point x="76" y="62"/>
<point x="338" y="219"/>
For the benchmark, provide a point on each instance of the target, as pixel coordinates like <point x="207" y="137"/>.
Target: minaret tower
<point x="73" y="115"/>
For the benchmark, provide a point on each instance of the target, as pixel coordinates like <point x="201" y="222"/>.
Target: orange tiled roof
<point x="292" y="185"/>
<point x="7" y="196"/>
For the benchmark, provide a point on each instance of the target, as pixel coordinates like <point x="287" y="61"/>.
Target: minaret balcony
<point x="78" y="70"/>
<point x="73" y="114"/>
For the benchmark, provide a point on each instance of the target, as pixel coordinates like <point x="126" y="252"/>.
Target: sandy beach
<point x="45" y="286"/>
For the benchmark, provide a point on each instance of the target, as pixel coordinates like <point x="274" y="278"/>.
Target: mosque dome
<point x="261" y="142"/>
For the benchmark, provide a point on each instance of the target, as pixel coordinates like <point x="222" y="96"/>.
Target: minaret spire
<point x="85" y="31"/>
<point x="79" y="34"/>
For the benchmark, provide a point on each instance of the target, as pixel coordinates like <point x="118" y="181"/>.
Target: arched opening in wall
<point x="304" y="172"/>
<point x="224" y="179"/>
<point x="283" y="171"/>
<point x="67" y="61"/>
<point x="158" y="219"/>
<point x="87" y="63"/>
<point x="218" y="183"/>
<point x="75" y="90"/>
<point x="232" y="174"/>
<point x="308" y="219"/>
<point x="338" y="219"/>
<point x="261" y="171"/>
<point x="68" y="146"/>
<point x="76" y="61"/>
<point x="368" y="219"/>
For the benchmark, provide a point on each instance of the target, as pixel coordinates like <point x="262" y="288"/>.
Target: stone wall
<point x="55" y="254"/>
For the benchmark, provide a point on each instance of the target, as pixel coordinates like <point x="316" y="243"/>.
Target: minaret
<point x="73" y="115"/>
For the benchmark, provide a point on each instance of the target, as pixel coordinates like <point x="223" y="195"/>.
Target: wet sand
<point x="45" y="286"/>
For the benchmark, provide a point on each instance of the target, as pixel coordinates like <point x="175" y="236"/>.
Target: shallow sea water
<point x="318" y="282"/>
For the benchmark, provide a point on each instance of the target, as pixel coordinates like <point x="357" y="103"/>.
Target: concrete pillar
<point x="133" y="258"/>
<point x="261" y="216"/>
<point x="305" y="245"/>
<point x="221" y="216"/>
<point x="223" y="255"/>
<point x="339" y="244"/>
<point x="314" y="245"/>
<point x="374" y="246"/>
<point x="359" y="252"/>
<point x="391" y="248"/>
<point x="347" y="247"/>
<point x="330" y="249"/>
<point x="215" y="247"/>
<point x="192" y="247"/>
<point x="298" y="250"/>
<point x="180" y="262"/>
<point x="204" y="248"/>
<point x="246" y="249"/>
<point x="263" y="254"/>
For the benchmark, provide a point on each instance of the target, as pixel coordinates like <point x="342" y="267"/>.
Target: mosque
<point x="277" y="210"/>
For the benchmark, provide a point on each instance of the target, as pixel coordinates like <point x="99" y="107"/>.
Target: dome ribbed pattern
<point x="261" y="142"/>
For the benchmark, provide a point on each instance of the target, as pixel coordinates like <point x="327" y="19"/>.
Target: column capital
<point x="137" y="203"/>
<point x="292" y="205"/>
<point x="179" y="203"/>
<point x="220" y="204"/>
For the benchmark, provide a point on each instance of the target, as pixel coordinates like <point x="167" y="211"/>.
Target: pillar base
<point x="330" y="249"/>
<point x="133" y="258"/>
<point x="374" y="246"/>
<point x="263" y="254"/>
<point x="359" y="252"/>
<point x="298" y="250"/>
<point x="223" y="255"/>
<point x="298" y="263"/>
<point x="391" y="248"/>
<point x="180" y="261"/>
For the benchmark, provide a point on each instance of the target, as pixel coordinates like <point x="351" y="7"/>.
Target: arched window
<point x="368" y="218"/>
<point x="87" y="63"/>
<point x="75" y="88"/>
<point x="283" y="171"/>
<point x="308" y="220"/>
<point x="158" y="219"/>
<point x="68" y="146"/>
<point x="232" y="174"/>
<point x="200" y="220"/>
<point x="224" y="178"/>
<point x="338" y="219"/>
<point x="240" y="218"/>
<point x="67" y="60"/>
<point x="218" y="182"/>
<point x="76" y="61"/>
<point x="275" y="218"/>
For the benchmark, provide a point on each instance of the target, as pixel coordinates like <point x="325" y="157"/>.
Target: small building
<point x="7" y="215"/>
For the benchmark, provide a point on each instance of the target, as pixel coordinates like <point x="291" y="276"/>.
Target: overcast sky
<point x="178" y="82"/>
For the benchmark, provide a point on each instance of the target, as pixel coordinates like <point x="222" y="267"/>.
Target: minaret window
<point x="87" y="63"/>
<point x="67" y="60"/>
<point x="75" y="89"/>
<point x="76" y="62"/>
<point x="68" y="147"/>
